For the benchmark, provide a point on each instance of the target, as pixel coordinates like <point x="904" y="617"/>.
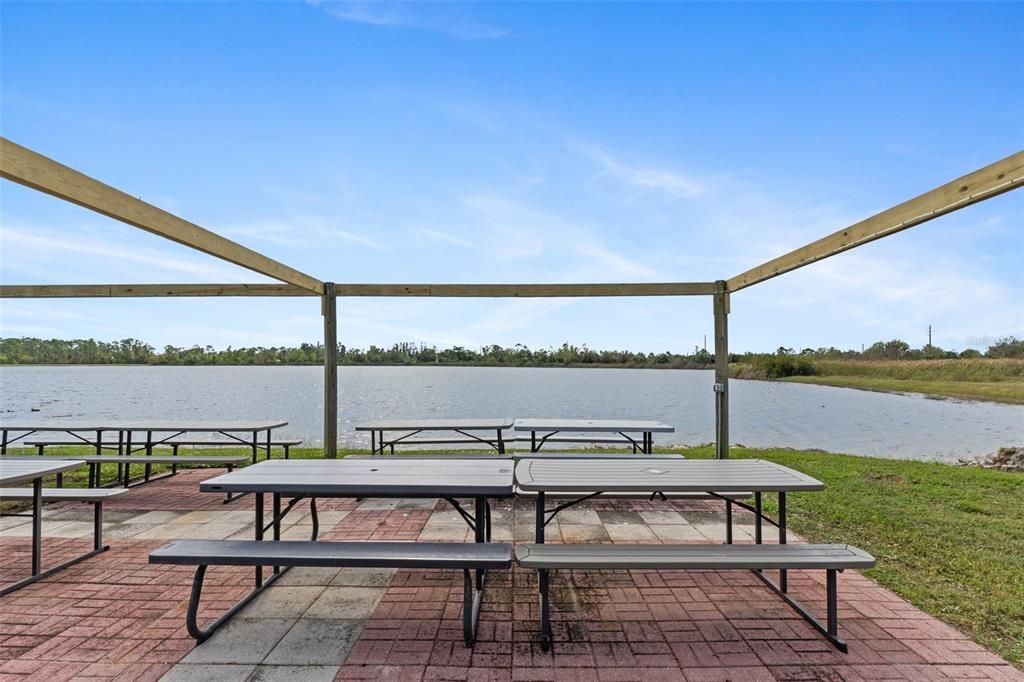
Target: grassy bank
<point x="997" y="380"/>
<point x="948" y="539"/>
<point x="1011" y="392"/>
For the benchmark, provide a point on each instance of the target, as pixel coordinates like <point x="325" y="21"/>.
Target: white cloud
<point x="447" y="18"/>
<point x="35" y="244"/>
<point x="442" y="237"/>
<point x="645" y="178"/>
<point x="302" y="233"/>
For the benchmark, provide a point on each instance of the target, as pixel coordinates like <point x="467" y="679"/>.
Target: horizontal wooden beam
<point x="34" y="170"/>
<point x="147" y="290"/>
<point x="528" y="290"/>
<point x="997" y="178"/>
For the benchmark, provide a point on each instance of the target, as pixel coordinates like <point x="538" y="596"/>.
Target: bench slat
<point x="691" y="556"/>
<point x="66" y="494"/>
<point x="155" y="459"/>
<point x="334" y="554"/>
<point x="113" y="444"/>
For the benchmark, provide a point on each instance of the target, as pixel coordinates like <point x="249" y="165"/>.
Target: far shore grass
<point x="948" y="539"/>
<point x="1011" y="392"/>
<point x="994" y="380"/>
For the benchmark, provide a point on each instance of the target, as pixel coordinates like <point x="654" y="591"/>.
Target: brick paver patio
<point x="117" y="617"/>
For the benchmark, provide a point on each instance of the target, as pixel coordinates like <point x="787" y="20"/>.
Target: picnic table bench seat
<point x="289" y="553"/>
<point x="95" y="496"/>
<point x="124" y="463"/>
<point x="284" y="443"/>
<point x="755" y="557"/>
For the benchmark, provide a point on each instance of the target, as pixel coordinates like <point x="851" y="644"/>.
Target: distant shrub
<point x="780" y="365"/>
<point x="1010" y="347"/>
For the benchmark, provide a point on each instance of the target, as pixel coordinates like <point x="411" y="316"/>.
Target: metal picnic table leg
<point x="127" y="451"/>
<point x="277" y="522"/>
<point x="373" y="442"/>
<point x="37" y="525"/>
<point x="757" y="518"/>
<point x="501" y="444"/>
<point x="149" y="453"/>
<point x="783" y="582"/>
<point x="255" y="454"/>
<point x="120" y="450"/>
<point x="542" y="580"/>
<point x="268" y="444"/>
<point x="3" y="443"/>
<point x="728" y="521"/>
<point x="259" y="533"/>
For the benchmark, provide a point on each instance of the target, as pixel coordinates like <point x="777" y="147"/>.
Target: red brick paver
<point x="117" y="617"/>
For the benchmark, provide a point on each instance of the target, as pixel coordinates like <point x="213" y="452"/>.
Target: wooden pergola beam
<point x="997" y="178"/>
<point x="29" y="168"/>
<point x="147" y="290"/>
<point x="528" y="290"/>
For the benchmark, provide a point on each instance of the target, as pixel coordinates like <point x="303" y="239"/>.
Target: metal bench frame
<point x="830" y="629"/>
<point x="544" y="516"/>
<point x="36" y="515"/>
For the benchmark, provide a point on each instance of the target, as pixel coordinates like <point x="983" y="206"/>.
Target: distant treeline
<point x="32" y="351"/>
<point x="784" y="362"/>
<point x="787" y="362"/>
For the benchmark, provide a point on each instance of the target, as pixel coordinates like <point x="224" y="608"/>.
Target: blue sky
<point x="520" y="143"/>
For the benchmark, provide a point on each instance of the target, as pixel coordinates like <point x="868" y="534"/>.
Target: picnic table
<point x="593" y="477"/>
<point x="14" y="471"/>
<point x="254" y="434"/>
<point x="479" y="479"/>
<point x="79" y="431"/>
<point x="413" y="427"/>
<point x="247" y="432"/>
<point x="543" y="431"/>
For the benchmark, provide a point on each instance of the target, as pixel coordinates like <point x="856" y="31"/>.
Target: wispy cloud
<point x="354" y="238"/>
<point x="644" y="178"/>
<point x="447" y="18"/>
<point x="39" y="244"/>
<point x="442" y="237"/>
<point x="302" y="233"/>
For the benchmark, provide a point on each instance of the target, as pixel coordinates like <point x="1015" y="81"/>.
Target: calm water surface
<point x="763" y="413"/>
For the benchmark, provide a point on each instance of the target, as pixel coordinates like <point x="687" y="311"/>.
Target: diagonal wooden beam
<point x="1001" y="176"/>
<point x="147" y="290"/>
<point x="34" y="170"/>
<point x="529" y="290"/>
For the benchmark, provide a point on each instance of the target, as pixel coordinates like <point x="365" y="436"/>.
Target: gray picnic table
<point x="410" y="428"/>
<point x="543" y="431"/>
<point x="14" y="471"/>
<point x="78" y="430"/>
<point x="593" y="477"/>
<point x="244" y="432"/>
<point x="448" y="479"/>
<point x="254" y="434"/>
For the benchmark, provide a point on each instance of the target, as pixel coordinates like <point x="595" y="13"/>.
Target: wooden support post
<point x="330" y="313"/>
<point x="721" y="305"/>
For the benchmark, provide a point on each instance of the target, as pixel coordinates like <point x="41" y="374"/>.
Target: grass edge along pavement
<point x="948" y="539"/>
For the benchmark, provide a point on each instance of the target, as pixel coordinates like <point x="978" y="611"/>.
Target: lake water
<point x="763" y="413"/>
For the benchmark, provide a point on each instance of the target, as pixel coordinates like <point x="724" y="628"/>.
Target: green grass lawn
<point x="1001" y="391"/>
<point x="948" y="539"/>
